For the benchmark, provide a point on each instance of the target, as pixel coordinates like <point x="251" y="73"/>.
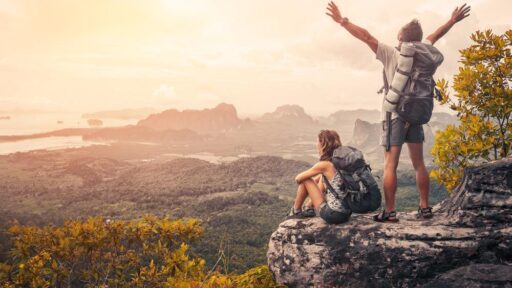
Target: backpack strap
<point x="437" y="93"/>
<point x="331" y="189"/>
<point x="388" y="132"/>
<point x="413" y="77"/>
<point x="385" y="87"/>
<point x="329" y="186"/>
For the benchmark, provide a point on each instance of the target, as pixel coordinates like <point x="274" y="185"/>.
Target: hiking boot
<point x="295" y="214"/>
<point x="309" y="212"/>
<point x="424" y="213"/>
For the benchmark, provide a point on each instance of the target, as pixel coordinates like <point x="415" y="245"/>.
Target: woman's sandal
<point x="425" y="213"/>
<point x="385" y="217"/>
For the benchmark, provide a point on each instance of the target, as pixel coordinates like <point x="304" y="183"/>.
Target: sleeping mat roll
<point x="405" y="61"/>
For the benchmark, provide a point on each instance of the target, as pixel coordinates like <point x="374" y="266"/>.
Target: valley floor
<point x="239" y="202"/>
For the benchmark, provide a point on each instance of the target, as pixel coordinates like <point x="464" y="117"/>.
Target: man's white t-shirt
<point x="389" y="58"/>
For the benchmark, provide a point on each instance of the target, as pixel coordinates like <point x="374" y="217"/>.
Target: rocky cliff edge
<point x="467" y="244"/>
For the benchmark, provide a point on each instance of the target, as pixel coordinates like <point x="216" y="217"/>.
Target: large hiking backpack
<point x="362" y="192"/>
<point x="411" y="93"/>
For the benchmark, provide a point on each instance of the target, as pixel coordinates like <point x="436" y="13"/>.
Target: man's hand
<point x="355" y="30"/>
<point x="457" y="15"/>
<point x="334" y="12"/>
<point x="460" y="13"/>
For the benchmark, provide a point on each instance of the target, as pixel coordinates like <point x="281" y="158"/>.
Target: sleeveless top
<point x="332" y="201"/>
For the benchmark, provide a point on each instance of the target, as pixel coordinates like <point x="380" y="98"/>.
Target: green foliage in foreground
<point x="148" y="252"/>
<point x="483" y="103"/>
<point x="239" y="203"/>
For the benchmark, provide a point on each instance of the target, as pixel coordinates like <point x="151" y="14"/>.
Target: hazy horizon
<point x="88" y="56"/>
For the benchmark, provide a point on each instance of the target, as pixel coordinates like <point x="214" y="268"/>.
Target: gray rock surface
<point x="475" y="276"/>
<point x="473" y="226"/>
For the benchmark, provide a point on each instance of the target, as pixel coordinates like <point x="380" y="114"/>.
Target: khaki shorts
<point x="401" y="132"/>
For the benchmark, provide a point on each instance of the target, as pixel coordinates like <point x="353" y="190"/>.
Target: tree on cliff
<point x="483" y="102"/>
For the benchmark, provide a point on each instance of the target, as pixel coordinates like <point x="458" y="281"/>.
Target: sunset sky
<point x="92" y="55"/>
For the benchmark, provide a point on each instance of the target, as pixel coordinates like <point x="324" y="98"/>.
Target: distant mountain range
<point x="222" y="118"/>
<point x="123" y="114"/>
<point x="440" y="120"/>
<point x="341" y="117"/>
<point x="288" y="131"/>
<point x="288" y="114"/>
<point x="365" y="134"/>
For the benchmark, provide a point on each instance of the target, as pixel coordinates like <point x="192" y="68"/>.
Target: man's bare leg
<point x="422" y="179"/>
<point x="391" y="158"/>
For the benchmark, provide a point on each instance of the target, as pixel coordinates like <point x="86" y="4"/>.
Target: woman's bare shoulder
<point x="325" y="165"/>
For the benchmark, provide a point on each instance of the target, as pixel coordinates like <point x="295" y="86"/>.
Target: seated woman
<point x="326" y="202"/>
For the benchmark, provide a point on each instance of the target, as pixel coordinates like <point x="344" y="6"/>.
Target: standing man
<point x="400" y="131"/>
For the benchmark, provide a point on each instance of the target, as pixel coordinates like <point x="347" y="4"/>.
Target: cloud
<point x="46" y="24"/>
<point x="92" y="54"/>
<point x="7" y="7"/>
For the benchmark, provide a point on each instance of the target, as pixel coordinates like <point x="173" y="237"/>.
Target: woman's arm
<point x="320" y="183"/>
<point x="317" y="169"/>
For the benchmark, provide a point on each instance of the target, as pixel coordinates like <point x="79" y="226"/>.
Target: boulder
<point x="473" y="226"/>
<point x="475" y="276"/>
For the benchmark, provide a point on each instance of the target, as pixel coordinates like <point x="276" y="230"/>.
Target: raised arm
<point x="457" y="15"/>
<point x="358" y="32"/>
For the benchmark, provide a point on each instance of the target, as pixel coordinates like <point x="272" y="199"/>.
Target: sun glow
<point x="110" y="54"/>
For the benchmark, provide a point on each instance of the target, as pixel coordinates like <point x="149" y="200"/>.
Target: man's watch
<point x="344" y="21"/>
